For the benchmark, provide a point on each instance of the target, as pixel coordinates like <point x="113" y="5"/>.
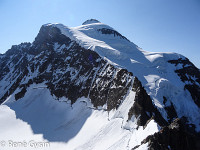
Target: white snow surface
<point x="157" y="76"/>
<point x="90" y="21"/>
<point x="41" y="118"/>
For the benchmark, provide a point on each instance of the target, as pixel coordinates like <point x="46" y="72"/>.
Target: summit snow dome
<point x="90" y="21"/>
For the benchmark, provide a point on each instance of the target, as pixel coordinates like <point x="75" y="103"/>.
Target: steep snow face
<point x="152" y="68"/>
<point x="109" y="43"/>
<point x="80" y="125"/>
<point x="112" y="45"/>
<point x="65" y="91"/>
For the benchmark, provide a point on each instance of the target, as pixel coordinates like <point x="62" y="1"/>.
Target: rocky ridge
<point x="72" y="71"/>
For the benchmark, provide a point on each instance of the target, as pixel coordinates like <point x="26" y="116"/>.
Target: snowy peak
<point x="90" y="21"/>
<point x="100" y="73"/>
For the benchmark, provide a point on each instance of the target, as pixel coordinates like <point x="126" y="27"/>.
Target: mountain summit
<point x="91" y="88"/>
<point x="90" y="21"/>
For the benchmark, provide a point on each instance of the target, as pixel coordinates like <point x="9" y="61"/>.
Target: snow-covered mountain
<point x="90" y="88"/>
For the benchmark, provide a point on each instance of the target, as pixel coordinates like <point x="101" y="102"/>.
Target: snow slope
<point x="157" y="76"/>
<point x="74" y="126"/>
<point x="45" y="118"/>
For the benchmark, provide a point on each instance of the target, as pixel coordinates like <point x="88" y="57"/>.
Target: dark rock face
<point x="72" y="71"/>
<point x="171" y="111"/>
<point x="68" y="70"/>
<point x="113" y="32"/>
<point x="110" y="86"/>
<point x="190" y="75"/>
<point x="195" y="92"/>
<point x="20" y="94"/>
<point x="119" y="88"/>
<point x="176" y="136"/>
<point x="13" y="68"/>
<point x="15" y="55"/>
<point x="143" y="107"/>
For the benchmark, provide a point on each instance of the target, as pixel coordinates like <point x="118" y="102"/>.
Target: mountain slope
<point x="92" y="80"/>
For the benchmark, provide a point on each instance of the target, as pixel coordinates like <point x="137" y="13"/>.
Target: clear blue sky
<point x="154" y="25"/>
